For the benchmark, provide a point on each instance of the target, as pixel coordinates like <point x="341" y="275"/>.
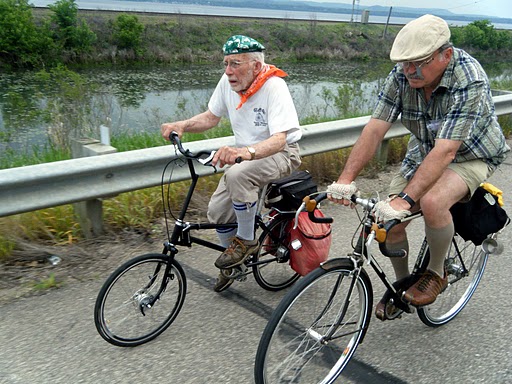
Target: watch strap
<point x="407" y="198"/>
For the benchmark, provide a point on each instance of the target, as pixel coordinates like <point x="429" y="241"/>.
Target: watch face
<point x="252" y="151"/>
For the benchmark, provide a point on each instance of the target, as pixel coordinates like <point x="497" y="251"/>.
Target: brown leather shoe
<point x="426" y="289"/>
<point x="380" y="311"/>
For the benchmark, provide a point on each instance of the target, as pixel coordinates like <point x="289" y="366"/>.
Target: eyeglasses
<point x="417" y="64"/>
<point x="234" y="64"/>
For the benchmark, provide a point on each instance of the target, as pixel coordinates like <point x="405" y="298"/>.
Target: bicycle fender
<point x="344" y="262"/>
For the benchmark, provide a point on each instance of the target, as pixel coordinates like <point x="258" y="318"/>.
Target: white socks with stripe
<point x="245" y="216"/>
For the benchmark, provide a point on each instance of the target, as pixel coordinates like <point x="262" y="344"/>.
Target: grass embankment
<point x="178" y="38"/>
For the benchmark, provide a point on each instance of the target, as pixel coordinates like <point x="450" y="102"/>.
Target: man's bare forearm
<point x="364" y="150"/>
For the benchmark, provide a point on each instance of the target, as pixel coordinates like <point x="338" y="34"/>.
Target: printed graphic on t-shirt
<point x="259" y="118"/>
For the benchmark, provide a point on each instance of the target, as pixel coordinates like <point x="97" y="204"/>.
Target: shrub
<point x="22" y="43"/>
<point x="128" y="32"/>
<point x="71" y="32"/>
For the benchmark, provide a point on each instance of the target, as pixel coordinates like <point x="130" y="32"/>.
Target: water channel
<point x="134" y="100"/>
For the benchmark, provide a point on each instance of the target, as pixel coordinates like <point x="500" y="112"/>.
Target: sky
<point x="498" y="8"/>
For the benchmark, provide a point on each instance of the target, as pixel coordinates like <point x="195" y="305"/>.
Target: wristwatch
<point x="407" y="198"/>
<point x="252" y="152"/>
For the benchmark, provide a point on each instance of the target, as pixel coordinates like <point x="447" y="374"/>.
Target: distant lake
<point x="135" y="100"/>
<point x="192" y="9"/>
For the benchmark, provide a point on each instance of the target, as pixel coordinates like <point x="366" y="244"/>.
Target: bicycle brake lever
<point x="299" y="210"/>
<point x="207" y="160"/>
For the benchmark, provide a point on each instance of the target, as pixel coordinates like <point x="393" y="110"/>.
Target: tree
<point x="71" y="32"/>
<point x="22" y="43"/>
<point x="482" y="35"/>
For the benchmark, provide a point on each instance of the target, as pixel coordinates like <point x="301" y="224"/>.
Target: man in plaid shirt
<point x="443" y="97"/>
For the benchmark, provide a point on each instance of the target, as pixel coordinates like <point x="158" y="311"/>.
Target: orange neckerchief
<point x="266" y="73"/>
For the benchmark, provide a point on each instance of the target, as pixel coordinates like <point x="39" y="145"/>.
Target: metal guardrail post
<point x="90" y="212"/>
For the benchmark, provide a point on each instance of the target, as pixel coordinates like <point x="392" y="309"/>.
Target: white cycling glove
<point x="384" y="212"/>
<point x="342" y="191"/>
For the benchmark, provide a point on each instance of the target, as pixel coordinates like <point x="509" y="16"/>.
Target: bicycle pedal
<point x="238" y="273"/>
<point x="241" y="278"/>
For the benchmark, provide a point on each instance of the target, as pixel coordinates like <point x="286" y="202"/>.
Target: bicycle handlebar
<point x="382" y="245"/>
<point x="381" y="229"/>
<point x="204" y="157"/>
<point x="309" y="205"/>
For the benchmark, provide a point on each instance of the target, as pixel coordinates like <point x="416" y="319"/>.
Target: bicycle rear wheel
<point x="465" y="265"/>
<point x="133" y="307"/>
<point x="315" y="330"/>
<point x="272" y="269"/>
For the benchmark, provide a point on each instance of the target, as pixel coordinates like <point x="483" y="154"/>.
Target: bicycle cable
<point x="166" y="202"/>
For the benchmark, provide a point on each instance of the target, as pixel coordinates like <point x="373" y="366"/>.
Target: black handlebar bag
<point x="286" y="194"/>
<point x="480" y="217"/>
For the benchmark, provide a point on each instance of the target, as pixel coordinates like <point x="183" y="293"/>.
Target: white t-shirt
<point x="268" y="111"/>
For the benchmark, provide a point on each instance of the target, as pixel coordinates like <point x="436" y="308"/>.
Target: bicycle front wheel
<point x="315" y="330"/>
<point x="271" y="267"/>
<point x="465" y="265"/>
<point x="140" y="300"/>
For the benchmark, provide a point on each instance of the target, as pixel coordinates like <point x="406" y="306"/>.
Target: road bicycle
<point x="142" y="297"/>
<point x="316" y="328"/>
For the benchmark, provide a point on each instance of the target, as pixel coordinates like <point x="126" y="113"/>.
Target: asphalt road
<point x="52" y="338"/>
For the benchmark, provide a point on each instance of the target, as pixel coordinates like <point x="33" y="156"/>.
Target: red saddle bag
<point x="309" y="243"/>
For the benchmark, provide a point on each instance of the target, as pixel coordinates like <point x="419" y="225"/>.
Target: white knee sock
<point x="225" y="235"/>
<point x="439" y="240"/>
<point x="245" y="216"/>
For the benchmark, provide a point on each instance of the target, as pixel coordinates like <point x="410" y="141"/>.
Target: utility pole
<point x="355" y="8"/>
<point x="387" y="22"/>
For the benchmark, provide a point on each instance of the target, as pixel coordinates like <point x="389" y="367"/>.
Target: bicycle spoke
<point x="315" y="330"/>
<point x="139" y="301"/>
<point x="465" y="266"/>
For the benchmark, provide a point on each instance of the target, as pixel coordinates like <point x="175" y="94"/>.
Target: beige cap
<point x="419" y="38"/>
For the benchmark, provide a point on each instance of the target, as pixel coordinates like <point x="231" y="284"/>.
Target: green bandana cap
<point x="241" y="44"/>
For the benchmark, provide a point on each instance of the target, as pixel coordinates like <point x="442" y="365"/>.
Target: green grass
<point x="48" y="283"/>
<point x="11" y="158"/>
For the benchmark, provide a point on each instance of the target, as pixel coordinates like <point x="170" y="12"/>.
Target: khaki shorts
<point x="242" y="182"/>
<point x="473" y="173"/>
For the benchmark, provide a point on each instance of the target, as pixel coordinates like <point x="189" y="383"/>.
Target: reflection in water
<point x="134" y="100"/>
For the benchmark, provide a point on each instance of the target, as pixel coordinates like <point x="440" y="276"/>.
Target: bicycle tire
<point x="290" y="351"/>
<point x="462" y="255"/>
<point x="275" y="240"/>
<point x="120" y="315"/>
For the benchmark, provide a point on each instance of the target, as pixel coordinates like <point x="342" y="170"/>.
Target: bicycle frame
<point x="181" y="235"/>
<point x="362" y="254"/>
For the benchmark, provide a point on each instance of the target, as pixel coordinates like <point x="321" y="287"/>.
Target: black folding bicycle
<point x="142" y="297"/>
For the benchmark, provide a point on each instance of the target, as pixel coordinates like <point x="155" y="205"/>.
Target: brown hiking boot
<point x="237" y="252"/>
<point x="426" y="289"/>
<point x="223" y="282"/>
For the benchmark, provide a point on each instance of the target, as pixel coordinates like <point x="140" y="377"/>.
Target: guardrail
<point x="40" y="186"/>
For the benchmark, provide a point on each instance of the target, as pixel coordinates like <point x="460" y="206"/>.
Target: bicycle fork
<point x="146" y="300"/>
<point x="324" y="339"/>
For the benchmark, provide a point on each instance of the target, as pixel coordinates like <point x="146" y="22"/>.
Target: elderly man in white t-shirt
<point x="263" y="118"/>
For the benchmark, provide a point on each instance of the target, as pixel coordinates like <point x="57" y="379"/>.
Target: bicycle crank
<point x="238" y="273"/>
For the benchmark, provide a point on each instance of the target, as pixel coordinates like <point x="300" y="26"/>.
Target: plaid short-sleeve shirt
<point x="460" y="108"/>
